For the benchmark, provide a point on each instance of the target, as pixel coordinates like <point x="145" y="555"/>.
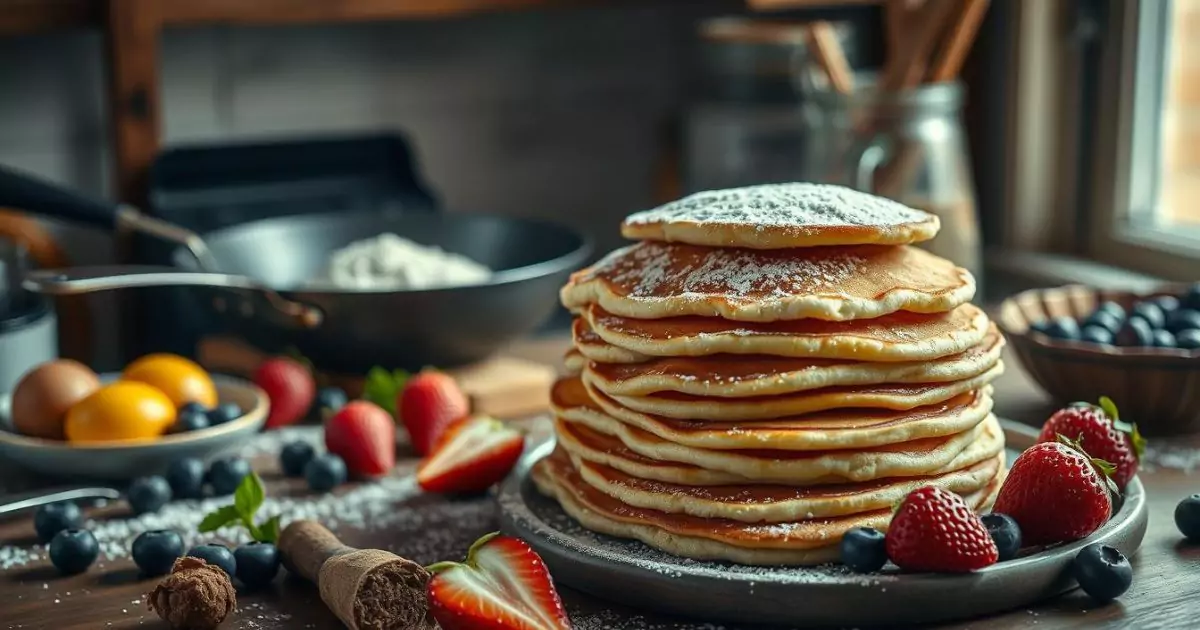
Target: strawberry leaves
<point x="382" y="386"/>
<point x="247" y="499"/>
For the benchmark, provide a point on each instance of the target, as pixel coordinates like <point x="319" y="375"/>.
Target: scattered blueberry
<point x="1183" y="319"/>
<point x="863" y="549"/>
<point x="148" y="494"/>
<point x="225" y="474"/>
<point x="1168" y="303"/>
<point x="224" y="412"/>
<point x="325" y="472"/>
<point x="1135" y="332"/>
<point x="331" y="398"/>
<point x="1150" y="312"/>
<point x="257" y="564"/>
<point x="1102" y="571"/>
<point x="192" y="417"/>
<point x="1187" y="517"/>
<point x="1096" y="334"/>
<point x="1188" y="339"/>
<point x="1005" y="533"/>
<point x="294" y="457"/>
<point x="55" y="517"/>
<point x="1191" y="299"/>
<point x="1063" y="328"/>
<point x="155" y="551"/>
<point x="218" y="555"/>
<point x="73" y="551"/>
<point x="1112" y="307"/>
<point x="1105" y="320"/>
<point x="186" y="478"/>
<point x="1164" y="339"/>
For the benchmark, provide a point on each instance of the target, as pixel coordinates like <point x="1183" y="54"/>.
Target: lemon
<point x="181" y="379"/>
<point x="124" y="410"/>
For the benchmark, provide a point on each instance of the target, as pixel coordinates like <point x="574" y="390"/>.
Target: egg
<point x="44" y="394"/>
<point x="122" y="410"/>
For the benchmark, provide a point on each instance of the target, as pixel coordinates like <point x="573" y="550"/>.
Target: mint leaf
<point x="222" y="516"/>
<point x="382" y="387"/>
<point x="248" y="497"/>
<point x="269" y="532"/>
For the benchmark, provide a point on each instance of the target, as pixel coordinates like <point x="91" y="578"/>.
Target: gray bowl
<point x="115" y="461"/>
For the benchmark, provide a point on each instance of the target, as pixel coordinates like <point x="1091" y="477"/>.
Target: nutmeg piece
<point x="194" y="596"/>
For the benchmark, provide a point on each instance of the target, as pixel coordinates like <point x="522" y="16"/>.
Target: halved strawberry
<point x="471" y="455"/>
<point x="503" y="585"/>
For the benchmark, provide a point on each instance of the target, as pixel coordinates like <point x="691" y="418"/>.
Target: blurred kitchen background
<point x="1079" y="160"/>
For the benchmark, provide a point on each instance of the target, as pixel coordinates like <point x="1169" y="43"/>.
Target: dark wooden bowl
<point x="1158" y="388"/>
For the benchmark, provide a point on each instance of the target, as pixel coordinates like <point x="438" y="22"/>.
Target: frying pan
<point x="254" y="278"/>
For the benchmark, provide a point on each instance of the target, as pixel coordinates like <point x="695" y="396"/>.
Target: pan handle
<point x="26" y="192"/>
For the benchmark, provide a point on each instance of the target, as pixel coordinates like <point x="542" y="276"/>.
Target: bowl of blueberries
<point x="1140" y="349"/>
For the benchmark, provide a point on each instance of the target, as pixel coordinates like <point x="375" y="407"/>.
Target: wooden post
<point x="133" y="51"/>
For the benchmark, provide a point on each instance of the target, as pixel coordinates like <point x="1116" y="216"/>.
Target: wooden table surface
<point x="1165" y="591"/>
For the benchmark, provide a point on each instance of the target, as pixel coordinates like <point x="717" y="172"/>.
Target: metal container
<point x="28" y="328"/>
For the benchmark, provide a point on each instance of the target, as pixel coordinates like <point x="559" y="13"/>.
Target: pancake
<point x="806" y="542"/>
<point x="834" y="429"/>
<point x="885" y="396"/>
<point x="737" y="376"/>
<point x="758" y="503"/>
<point x="924" y="456"/>
<point x="574" y="362"/>
<point x="780" y="216"/>
<point x="900" y="336"/>
<point x="652" y="280"/>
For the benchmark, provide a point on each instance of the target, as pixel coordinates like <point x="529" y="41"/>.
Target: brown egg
<point x="42" y="397"/>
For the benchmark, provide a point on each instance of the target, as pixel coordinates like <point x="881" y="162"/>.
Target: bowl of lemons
<point x="64" y="420"/>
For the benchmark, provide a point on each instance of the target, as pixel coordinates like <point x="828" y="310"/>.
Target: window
<point x="1144" y="207"/>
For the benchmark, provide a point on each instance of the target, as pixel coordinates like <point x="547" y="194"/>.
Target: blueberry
<point x="193" y="407"/>
<point x="218" y="555"/>
<point x="186" y="478"/>
<point x="1150" y="312"/>
<point x="155" y="551"/>
<point x="191" y="418"/>
<point x="1183" y="319"/>
<point x="1168" y="303"/>
<point x="1164" y="339"/>
<point x="55" y="517"/>
<point x="1188" y="339"/>
<point x="1063" y="328"/>
<point x="325" y="472"/>
<point x="148" y="494"/>
<point x="294" y="456"/>
<point x="1135" y="332"/>
<point x="863" y="549"/>
<point x="1103" y="572"/>
<point x="1005" y="533"/>
<point x="1040" y="326"/>
<point x="1105" y="320"/>
<point x="73" y="551"/>
<point x="1115" y="309"/>
<point x="1096" y="334"/>
<point x="226" y="474"/>
<point x="1187" y="517"/>
<point x="1191" y="297"/>
<point x="257" y="564"/>
<point x="331" y="398"/>
<point x="224" y="412"/>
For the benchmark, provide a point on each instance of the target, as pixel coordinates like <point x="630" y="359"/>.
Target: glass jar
<point x="909" y="146"/>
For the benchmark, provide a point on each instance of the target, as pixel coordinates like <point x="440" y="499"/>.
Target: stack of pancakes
<point x="767" y="368"/>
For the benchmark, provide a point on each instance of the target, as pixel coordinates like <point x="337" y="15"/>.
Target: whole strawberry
<point x="430" y="402"/>
<point x="1101" y="433"/>
<point x="1056" y="493"/>
<point x="289" y="386"/>
<point x="364" y="435"/>
<point x="935" y="530"/>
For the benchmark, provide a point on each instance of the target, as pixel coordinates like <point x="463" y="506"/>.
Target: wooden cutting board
<point x="502" y="386"/>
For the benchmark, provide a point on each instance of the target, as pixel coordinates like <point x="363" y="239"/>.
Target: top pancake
<point x="652" y="280"/>
<point x="782" y="216"/>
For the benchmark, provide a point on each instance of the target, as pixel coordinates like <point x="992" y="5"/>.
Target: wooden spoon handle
<point x="306" y="545"/>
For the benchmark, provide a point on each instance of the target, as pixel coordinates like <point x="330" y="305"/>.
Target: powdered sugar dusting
<point x="801" y="206"/>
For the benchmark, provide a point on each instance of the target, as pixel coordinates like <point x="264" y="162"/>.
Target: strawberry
<point x="363" y="435"/>
<point x="473" y="454"/>
<point x="935" y="530"/>
<point x="1056" y="493"/>
<point x="290" y="388"/>
<point x="503" y="585"/>
<point x="1100" y="431"/>
<point x="429" y="402"/>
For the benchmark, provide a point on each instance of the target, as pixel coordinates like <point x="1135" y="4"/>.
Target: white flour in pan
<point x="389" y="261"/>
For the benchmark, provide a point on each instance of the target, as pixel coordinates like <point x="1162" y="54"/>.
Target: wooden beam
<point x="134" y="100"/>
<point x="263" y="12"/>
<point x="18" y="17"/>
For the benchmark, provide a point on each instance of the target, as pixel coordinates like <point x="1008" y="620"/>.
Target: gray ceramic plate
<point x="126" y="460"/>
<point x="639" y="576"/>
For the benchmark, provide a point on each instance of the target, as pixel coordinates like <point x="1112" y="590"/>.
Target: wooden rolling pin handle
<point x="306" y="545"/>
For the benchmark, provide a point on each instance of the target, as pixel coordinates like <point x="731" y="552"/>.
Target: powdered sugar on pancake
<point x="801" y="206"/>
